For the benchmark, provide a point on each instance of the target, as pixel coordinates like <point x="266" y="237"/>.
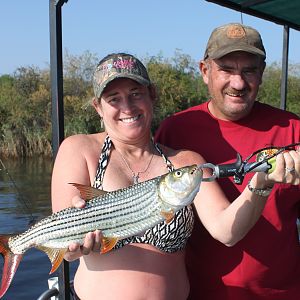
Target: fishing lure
<point x="265" y="162"/>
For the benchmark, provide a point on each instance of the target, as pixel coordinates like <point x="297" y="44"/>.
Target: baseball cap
<point x="120" y="65"/>
<point x="234" y="37"/>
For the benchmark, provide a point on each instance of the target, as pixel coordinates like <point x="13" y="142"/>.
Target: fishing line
<point x="32" y="219"/>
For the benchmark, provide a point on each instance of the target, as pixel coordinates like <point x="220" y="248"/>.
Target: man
<point x="266" y="263"/>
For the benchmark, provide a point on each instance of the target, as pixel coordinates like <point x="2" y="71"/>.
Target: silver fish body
<point x="118" y="214"/>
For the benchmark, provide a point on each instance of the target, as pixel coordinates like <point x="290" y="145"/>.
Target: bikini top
<point x="168" y="237"/>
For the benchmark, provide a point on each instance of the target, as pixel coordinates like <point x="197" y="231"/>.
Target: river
<point x="25" y="190"/>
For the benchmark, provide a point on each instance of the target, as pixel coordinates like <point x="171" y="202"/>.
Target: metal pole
<point x="284" y="75"/>
<point x="56" y="74"/>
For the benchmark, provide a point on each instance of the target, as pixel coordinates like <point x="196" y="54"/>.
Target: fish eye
<point x="178" y="173"/>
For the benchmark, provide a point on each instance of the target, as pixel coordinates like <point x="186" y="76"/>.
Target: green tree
<point x="78" y="93"/>
<point x="25" y="102"/>
<point x="178" y="83"/>
<point x="270" y="88"/>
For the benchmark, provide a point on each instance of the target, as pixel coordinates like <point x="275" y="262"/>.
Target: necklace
<point x="135" y="176"/>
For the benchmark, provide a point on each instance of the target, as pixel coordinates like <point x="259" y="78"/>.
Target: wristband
<point x="260" y="192"/>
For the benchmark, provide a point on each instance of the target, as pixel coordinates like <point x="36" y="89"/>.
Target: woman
<point x="149" y="266"/>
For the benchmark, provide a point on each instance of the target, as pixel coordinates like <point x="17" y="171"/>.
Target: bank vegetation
<point x="25" y="98"/>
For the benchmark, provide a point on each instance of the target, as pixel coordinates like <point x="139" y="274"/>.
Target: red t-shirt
<point x="266" y="263"/>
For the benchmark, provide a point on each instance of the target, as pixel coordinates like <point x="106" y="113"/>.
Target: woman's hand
<point x="92" y="241"/>
<point x="287" y="169"/>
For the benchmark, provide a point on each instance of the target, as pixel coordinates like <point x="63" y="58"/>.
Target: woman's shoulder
<point x="82" y="142"/>
<point x="78" y="139"/>
<point x="182" y="157"/>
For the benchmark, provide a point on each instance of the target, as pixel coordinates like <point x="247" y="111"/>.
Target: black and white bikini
<point x="168" y="237"/>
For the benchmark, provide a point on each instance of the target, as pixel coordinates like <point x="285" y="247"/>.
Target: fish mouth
<point x="179" y="189"/>
<point x="130" y="119"/>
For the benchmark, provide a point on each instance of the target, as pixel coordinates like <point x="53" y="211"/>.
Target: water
<point x="32" y="178"/>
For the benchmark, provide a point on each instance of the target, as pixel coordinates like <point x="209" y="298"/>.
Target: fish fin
<point x="168" y="215"/>
<point x="88" y="192"/>
<point x="107" y="244"/>
<point x="56" y="256"/>
<point x="11" y="263"/>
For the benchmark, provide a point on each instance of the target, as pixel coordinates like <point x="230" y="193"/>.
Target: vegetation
<point x="25" y="101"/>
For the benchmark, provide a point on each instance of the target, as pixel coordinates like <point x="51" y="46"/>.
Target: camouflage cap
<point x="234" y="37"/>
<point x="119" y="65"/>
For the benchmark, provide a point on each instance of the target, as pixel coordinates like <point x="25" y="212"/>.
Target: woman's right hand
<point x="92" y="240"/>
<point x="287" y="169"/>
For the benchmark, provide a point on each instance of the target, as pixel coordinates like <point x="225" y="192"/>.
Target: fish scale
<point x="118" y="214"/>
<point x="112" y="213"/>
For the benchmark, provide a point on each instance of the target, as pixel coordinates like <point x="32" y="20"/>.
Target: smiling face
<point x="126" y="108"/>
<point x="233" y="81"/>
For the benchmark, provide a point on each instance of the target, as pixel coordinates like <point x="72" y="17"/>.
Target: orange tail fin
<point x="11" y="263"/>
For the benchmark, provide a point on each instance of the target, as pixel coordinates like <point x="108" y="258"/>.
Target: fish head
<point x="179" y="187"/>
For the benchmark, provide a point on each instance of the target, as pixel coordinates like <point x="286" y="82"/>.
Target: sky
<point x="140" y="27"/>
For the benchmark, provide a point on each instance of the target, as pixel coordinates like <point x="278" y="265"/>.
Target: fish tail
<point x="11" y="263"/>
